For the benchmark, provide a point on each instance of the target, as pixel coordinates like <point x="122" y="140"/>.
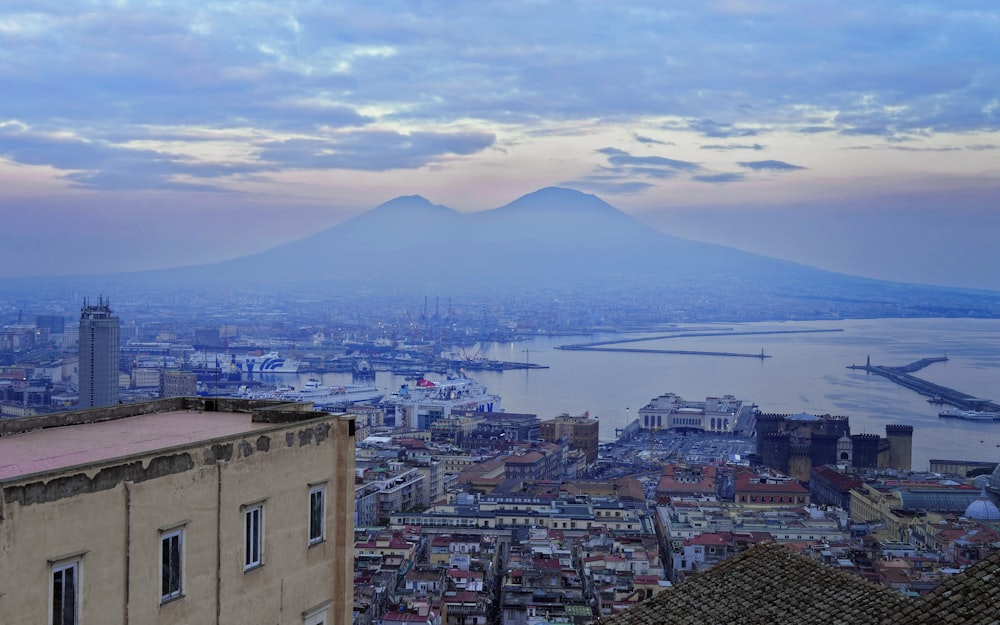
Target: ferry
<point x="333" y="396"/>
<point x="970" y="415"/>
<point x="270" y="362"/>
<point x="419" y="405"/>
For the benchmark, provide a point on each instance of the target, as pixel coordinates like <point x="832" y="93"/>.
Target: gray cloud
<point x="883" y="69"/>
<point x="716" y="130"/>
<point x="373" y="150"/>
<point x="651" y="141"/>
<point x="621" y="158"/>
<point x="723" y="178"/>
<point x="769" y="166"/>
<point x="607" y="185"/>
<point x="734" y="146"/>
<point x="98" y="164"/>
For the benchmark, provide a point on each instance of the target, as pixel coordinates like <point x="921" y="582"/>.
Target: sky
<point x="856" y="136"/>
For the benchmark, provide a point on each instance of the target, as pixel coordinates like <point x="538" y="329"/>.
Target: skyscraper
<point x="99" y="331"/>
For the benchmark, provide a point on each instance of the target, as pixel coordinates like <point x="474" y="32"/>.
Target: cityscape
<point x="459" y="511"/>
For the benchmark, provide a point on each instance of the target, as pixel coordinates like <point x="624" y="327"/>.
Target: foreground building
<point x="182" y="510"/>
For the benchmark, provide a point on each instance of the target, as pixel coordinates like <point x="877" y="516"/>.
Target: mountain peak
<point x="406" y="202"/>
<point x="410" y="207"/>
<point x="559" y="200"/>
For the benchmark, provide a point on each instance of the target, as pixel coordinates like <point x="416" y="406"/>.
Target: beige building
<point x="182" y="510"/>
<point x="581" y="431"/>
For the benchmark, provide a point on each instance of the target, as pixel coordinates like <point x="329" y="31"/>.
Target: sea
<point x="803" y="372"/>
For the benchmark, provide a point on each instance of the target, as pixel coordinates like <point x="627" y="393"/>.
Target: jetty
<point x="607" y="346"/>
<point x="938" y="394"/>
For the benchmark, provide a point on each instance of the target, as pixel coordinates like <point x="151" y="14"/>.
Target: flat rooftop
<point x="57" y="448"/>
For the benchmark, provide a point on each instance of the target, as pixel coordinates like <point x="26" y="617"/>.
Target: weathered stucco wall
<point x="111" y="517"/>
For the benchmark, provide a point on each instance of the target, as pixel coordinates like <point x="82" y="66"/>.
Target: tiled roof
<point x="970" y="598"/>
<point x="771" y="585"/>
<point x="766" y="585"/>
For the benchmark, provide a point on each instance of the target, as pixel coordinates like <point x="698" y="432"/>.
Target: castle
<point x="793" y="444"/>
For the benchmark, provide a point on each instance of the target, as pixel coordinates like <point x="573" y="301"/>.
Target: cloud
<point x="620" y="158"/>
<point x="373" y="150"/>
<point x="650" y="140"/>
<point x="308" y="84"/>
<point x="734" y="146"/>
<point x="99" y="164"/>
<point x="723" y="178"/>
<point x="607" y="185"/>
<point x="718" y="130"/>
<point x="769" y="166"/>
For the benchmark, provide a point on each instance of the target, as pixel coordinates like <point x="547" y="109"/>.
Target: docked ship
<point x="417" y="406"/>
<point x="333" y="396"/>
<point x="270" y="362"/>
<point x="970" y="415"/>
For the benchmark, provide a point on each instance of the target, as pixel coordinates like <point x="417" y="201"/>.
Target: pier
<point x="605" y="346"/>
<point x="937" y="393"/>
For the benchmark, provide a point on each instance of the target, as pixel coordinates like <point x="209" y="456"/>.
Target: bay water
<point x="805" y="372"/>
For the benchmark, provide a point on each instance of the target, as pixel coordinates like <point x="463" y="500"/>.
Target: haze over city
<point x="857" y="137"/>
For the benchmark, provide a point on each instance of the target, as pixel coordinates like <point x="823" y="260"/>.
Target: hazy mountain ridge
<point x="550" y="243"/>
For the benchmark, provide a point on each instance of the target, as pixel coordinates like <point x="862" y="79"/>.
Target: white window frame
<point x="167" y="595"/>
<point x="59" y="569"/>
<point x="253" y="536"/>
<point x="318" y="490"/>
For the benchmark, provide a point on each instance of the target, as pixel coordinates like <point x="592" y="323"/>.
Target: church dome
<point x="983" y="509"/>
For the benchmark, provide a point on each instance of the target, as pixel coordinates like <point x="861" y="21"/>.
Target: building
<point x="724" y="414"/>
<point x="175" y="383"/>
<point x="768" y="491"/>
<point x="794" y="444"/>
<point x="99" y="332"/>
<point x="182" y="510"/>
<point x="581" y="432"/>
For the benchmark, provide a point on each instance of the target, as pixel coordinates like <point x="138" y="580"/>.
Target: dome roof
<point x="983" y="509"/>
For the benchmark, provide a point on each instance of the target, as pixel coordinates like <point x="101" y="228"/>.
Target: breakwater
<point x="937" y="393"/>
<point x="607" y="346"/>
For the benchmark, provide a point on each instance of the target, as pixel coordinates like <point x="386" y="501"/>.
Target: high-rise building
<point x="99" y="333"/>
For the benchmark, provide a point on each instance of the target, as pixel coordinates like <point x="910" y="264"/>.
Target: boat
<point x="419" y="405"/>
<point x="332" y="396"/>
<point x="970" y="415"/>
<point x="271" y="362"/>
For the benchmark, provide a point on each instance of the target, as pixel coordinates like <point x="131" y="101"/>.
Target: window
<point x="65" y="593"/>
<point x="253" y="517"/>
<point x="317" y="514"/>
<point x="170" y="565"/>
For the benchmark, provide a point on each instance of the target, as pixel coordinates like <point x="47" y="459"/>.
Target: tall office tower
<point x="99" y="331"/>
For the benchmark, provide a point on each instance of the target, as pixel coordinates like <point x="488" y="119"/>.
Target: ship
<point x="270" y="362"/>
<point x="970" y="415"/>
<point x="333" y="396"/>
<point x="419" y="405"/>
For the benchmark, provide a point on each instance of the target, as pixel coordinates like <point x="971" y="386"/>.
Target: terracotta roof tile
<point x="771" y="585"/>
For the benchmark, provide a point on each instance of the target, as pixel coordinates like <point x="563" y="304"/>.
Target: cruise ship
<point x="419" y="405"/>
<point x="270" y="362"/>
<point x="333" y="396"/>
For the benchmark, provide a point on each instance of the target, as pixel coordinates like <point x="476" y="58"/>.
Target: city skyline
<point x="859" y="137"/>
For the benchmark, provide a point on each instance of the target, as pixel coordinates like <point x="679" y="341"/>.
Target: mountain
<point x="554" y="244"/>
